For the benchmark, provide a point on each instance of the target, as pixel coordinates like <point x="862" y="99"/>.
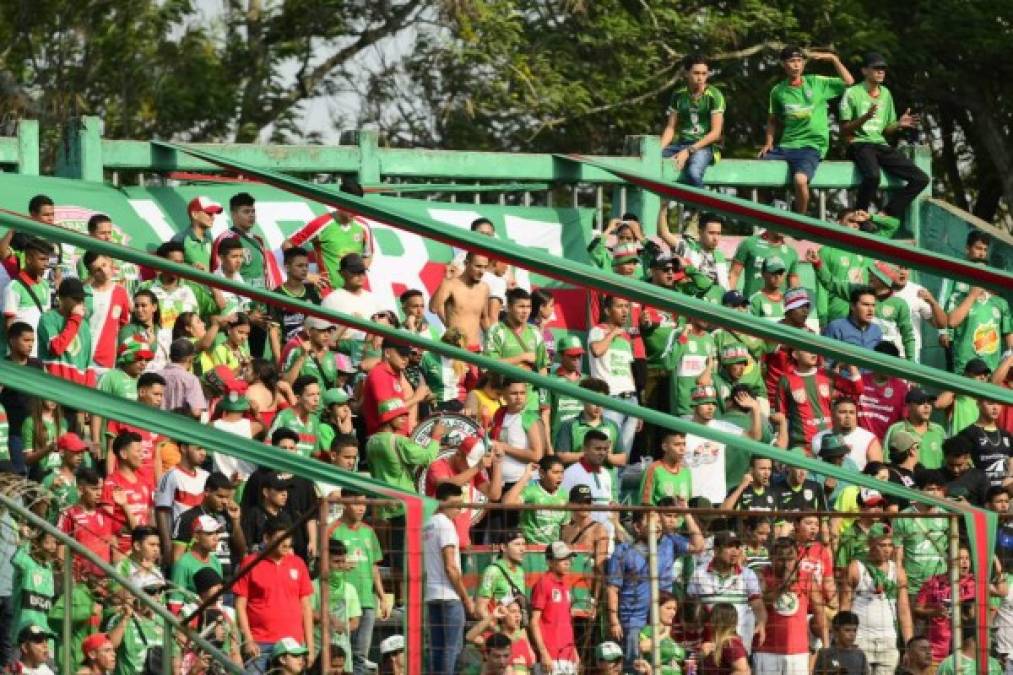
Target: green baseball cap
<point x="625" y="253"/>
<point x="234" y="402"/>
<point x="608" y="652"/>
<point x="288" y="645"/>
<point x="774" y="264"/>
<point x="335" y="396"/>
<point x="734" y="354"/>
<point x="569" y="345"/>
<point x="704" y="394"/>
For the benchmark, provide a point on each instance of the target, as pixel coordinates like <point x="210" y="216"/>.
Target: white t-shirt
<point x="615" y="366"/>
<point x="439" y="533"/>
<point x="362" y="305"/>
<point x="497" y="286"/>
<point x="180" y="491"/>
<point x="736" y="589"/>
<point x="231" y="465"/>
<point x="600" y="483"/>
<point x="514" y="435"/>
<point x="921" y="312"/>
<point x="706" y="462"/>
<point x="857" y="440"/>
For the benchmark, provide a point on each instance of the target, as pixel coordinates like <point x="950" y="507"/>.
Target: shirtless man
<point x="460" y="302"/>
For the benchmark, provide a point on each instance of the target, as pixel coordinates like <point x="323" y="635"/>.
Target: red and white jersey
<point x="180" y="491"/>
<point x="109" y="311"/>
<point x="140" y="501"/>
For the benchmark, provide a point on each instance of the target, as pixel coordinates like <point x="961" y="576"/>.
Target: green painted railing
<point x="21" y="152"/>
<point x="593" y="278"/>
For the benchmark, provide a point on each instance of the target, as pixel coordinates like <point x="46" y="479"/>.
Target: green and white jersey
<point x="140" y="634"/>
<point x="672" y="653"/>
<point x="195" y="249"/>
<point x="117" y="383"/>
<point x="930" y="446"/>
<point x="571" y="434"/>
<point x="842" y="264"/>
<point x="542" y="527"/>
<point x="562" y="408"/>
<point x="363" y="554"/>
<point x="615" y="366"/>
<point x="857" y="101"/>
<point x="686" y="358"/>
<point x="65" y="493"/>
<point x="171" y="303"/>
<point x="18" y="305"/>
<point x="53" y="432"/>
<point x="5" y="435"/>
<point x="751" y="253"/>
<point x="33" y="591"/>
<point x="343" y="605"/>
<point x="324" y="368"/>
<point x="765" y="307"/>
<point x="968" y="666"/>
<point x="693" y="113"/>
<point x="980" y="334"/>
<point x="440" y="376"/>
<point x="503" y="342"/>
<point x="657" y="335"/>
<point x="496" y="579"/>
<point x="309" y="430"/>
<point x="925" y="542"/>
<point x="802" y="111"/>
<point x="658" y="482"/>
<point x="336" y="241"/>
<point x="893" y="316"/>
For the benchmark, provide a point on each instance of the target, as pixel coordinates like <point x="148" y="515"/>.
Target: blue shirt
<point x="627" y="569"/>
<point x="845" y="330"/>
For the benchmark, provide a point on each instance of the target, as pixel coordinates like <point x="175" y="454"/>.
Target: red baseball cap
<point x="71" y="442"/>
<point x="205" y="204"/>
<point x="93" y="643"/>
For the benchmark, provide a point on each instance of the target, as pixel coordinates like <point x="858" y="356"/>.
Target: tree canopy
<point x="512" y="75"/>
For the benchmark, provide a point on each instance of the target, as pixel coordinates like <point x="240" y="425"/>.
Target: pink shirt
<point x="935" y="593"/>
<point x="881" y="405"/>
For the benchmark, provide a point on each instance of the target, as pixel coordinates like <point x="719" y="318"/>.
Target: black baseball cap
<point x="791" y="51"/>
<point x="726" y="538"/>
<point x="34" y="633"/>
<point x="734" y="299"/>
<point x="918" y="396"/>
<point x="664" y="260"/>
<point x="873" y="60"/>
<point x="278" y="481"/>
<point x="581" y="494"/>
<point x="353" y="263"/>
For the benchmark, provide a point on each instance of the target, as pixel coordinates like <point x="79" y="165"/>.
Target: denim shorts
<point x="800" y="160"/>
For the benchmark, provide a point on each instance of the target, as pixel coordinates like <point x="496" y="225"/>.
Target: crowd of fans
<point x="783" y="593"/>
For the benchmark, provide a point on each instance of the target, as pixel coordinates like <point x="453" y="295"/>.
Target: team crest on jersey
<point x="37" y="579"/>
<point x="824" y="389"/>
<point x="705" y="453"/>
<point x="888" y="311"/>
<point x="888" y="392"/>
<point x="692" y="347"/>
<point x="807" y="494"/>
<point x="357" y="236"/>
<point x="556" y="595"/>
<point x="767" y="309"/>
<point x="798" y="395"/>
<point x="294" y="574"/>
<point x="786" y="604"/>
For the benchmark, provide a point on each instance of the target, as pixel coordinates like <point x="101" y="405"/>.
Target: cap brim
<point x="576" y="351"/>
<point x="624" y="260"/>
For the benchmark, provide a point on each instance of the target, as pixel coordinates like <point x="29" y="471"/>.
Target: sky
<point x="320" y="112"/>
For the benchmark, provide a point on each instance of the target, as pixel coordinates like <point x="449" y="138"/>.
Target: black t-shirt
<point x="841" y="661"/>
<point x="904" y="477"/>
<point x="971" y="485"/>
<point x="16" y="403"/>
<point x="184" y="533"/>
<point x="292" y="322"/>
<point x="301" y="497"/>
<point x="808" y="497"/>
<point x="752" y="500"/>
<point x="991" y="451"/>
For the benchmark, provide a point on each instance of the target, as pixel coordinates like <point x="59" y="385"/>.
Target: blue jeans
<point x="446" y="635"/>
<point x="693" y="170"/>
<point x="631" y="645"/>
<point x="362" y="639"/>
<point x="260" y="665"/>
<point x="627" y="424"/>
